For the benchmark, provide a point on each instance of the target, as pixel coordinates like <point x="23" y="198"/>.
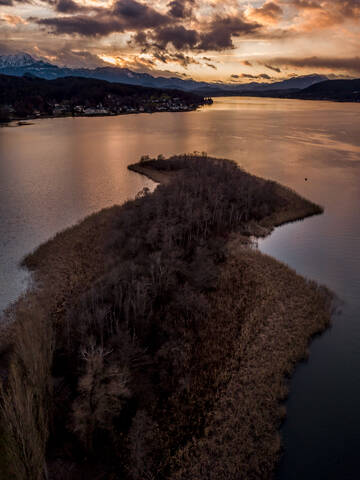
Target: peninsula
<point x="158" y="341"/>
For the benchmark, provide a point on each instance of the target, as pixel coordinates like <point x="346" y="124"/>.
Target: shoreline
<point x="25" y="121"/>
<point x="249" y="360"/>
<point x="330" y="100"/>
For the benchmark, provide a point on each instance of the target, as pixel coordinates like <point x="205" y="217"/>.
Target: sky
<point x="232" y="41"/>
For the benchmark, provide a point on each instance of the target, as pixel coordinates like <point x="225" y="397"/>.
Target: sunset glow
<point x="229" y="40"/>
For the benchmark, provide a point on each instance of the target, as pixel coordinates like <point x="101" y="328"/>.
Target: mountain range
<point x="24" y="64"/>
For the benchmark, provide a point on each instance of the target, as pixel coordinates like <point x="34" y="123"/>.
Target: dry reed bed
<point x="262" y="318"/>
<point x="282" y="312"/>
<point x="295" y="207"/>
<point x="63" y="268"/>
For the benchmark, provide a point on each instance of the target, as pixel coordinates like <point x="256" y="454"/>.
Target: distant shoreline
<point x="283" y="97"/>
<point x="25" y="121"/>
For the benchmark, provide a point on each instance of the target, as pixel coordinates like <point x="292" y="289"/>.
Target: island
<point x="157" y="341"/>
<point x="31" y="97"/>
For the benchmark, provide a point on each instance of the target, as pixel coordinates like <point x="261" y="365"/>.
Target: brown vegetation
<point x="171" y="338"/>
<point x="280" y="311"/>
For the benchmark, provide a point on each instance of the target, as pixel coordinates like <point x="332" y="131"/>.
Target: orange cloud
<point x="316" y="14"/>
<point x="268" y="14"/>
<point x="12" y="20"/>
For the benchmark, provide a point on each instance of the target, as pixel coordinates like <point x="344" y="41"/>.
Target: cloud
<point x="249" y="76"/>
<point x="12" y="3"/>
<point x="180" y="58"/>
<point x="69" y="6"/>
<point x="194" y="32"/>
<point x="81" y="25"/>
<point x="262" y="76"/>
<point x="178" y="36"/>
<point x="178" y="27"/>
<point x="221" y="30"/>
<point x="269" y="13"/>
<point x="274" y="69"/>
<point x="321" y="14"/>
<point x="211" y="65"/>
<point x="12" y="20"/>
<point x="351" y="64"/>
<point x="136" y="15"/>
<point x="181" y="8"/>
<point x="124" y="15"/>
<point x="216" y="35"/>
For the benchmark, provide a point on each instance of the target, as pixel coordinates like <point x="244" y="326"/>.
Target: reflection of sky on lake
<point x="55" y="172"/>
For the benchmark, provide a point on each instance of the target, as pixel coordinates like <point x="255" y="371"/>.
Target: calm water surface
<point x="55" y="172"/>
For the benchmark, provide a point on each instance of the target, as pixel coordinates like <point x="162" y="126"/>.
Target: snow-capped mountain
<point x="23" y="63"/>
<point x="16" y="61"/>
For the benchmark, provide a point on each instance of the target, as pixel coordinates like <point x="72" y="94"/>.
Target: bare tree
<point x="103" y="390"/>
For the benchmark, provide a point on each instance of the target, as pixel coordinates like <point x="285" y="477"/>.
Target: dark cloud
<point x="82" y="25"/>
<point x="222" y="30"/>
<point x="140" y="38"/>
<point x="274" y="69"/>
<point x="180" y="58"/>
<point x="11" y="3"/>
<point x="214" y="36"/>
<point x="249" y="76"/>
<point x="178" y="36"/>
<point x="262" y="76"/>
<point x="125" y="15"/>
<point x="344" y="64"/>
<point x="247" y="63"/>
<point x="181" y="8"/>
<point x="69" y="6"/>
<point x="135" y="15"/>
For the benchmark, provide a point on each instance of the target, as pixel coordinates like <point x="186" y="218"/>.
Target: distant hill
<point x="316" y="87"/>
<point x="339" y="90"/>
<point x="332" y="90"/>
<point x="30" y="96"/>
<point x="24" y="63"/>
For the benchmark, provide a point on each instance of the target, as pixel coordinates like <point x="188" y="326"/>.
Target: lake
<point x="56" y="171"/>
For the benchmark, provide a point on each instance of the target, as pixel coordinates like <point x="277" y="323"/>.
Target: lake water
<point x="55" y="172"/>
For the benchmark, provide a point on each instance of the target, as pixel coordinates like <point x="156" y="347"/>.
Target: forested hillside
<point x="32" y="96"/>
